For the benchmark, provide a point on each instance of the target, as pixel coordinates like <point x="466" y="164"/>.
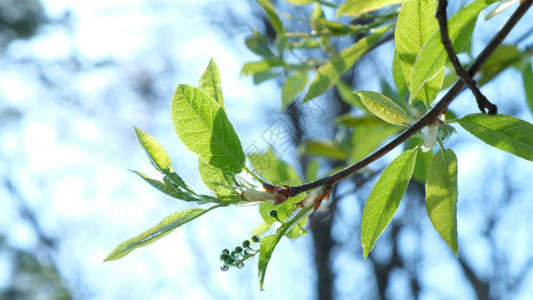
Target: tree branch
<point x="482" y="101"/>
<point x="430" y="117"/>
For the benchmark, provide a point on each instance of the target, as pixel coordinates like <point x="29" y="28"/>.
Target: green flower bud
<point x="224" y="256"/>
<point x="224" y="268"/>
<point x="246" y="244"/>
<point x="225" y="251"/>
<point x="273" y="213"/>
<point x="255" y="238"/>
<point x="238" y="249"/>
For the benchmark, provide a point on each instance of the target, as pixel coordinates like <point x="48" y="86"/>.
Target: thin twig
<point x="482" y="101"/>
<point x="430" y="117"/>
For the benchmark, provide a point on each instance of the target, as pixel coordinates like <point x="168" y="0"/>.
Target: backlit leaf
<point x="441" y="196"/>
<point x="355" y="8"/>
<point x="210" y="83"/>
<point x="416" y="24"/>
<point x="157" y="155"/>
<point x="432" y="57"/>
<point x="204" y="128"/>
<point x="504" y="132"/>
<point x="383" y="107"/>
<point x="292" y="87"/>
<point x="385" y="198"/>
<point x="527" y="76"/>
<point x="166" y="226"/>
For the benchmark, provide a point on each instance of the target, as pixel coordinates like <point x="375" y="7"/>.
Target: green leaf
<point x="157" y="155"/>
<point x="432" y="57"/>
<point x="166" y="226"/>
<point x="327" y="149"/>
<point x="416" y="24"/>
<point x="383" y="107"/>
<point x="258" y="44"/>
<point x="501" y="7"/>
<point x="441" y="196"/>
<point x="292" y="87"/>
<point x="210" y="83"/>
<point x="347" y="96"/>
<point x="397" y="75"/>
<point x="328" y="74"/>
<point x="504" y="132"/>
<point x="385" y="198"/>
<point x="299" y="2"/>
<point x="217" y="181"/>
<point x="204" y="128"/>
<point x="366" y="139"/>
<point x="161" y="186"/>
<point x="527" y="76"/>
<point x="356" y="8"/>
<point x="272" y="16"/>
<point x="258" y="67"/>
<point x="268" y="243"/>
<point x="504" y="57"/>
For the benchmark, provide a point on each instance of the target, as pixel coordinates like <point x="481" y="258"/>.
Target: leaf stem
<point x="430" y="117"/>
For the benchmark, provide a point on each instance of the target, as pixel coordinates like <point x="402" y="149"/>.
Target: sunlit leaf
<point x="292" y="87"/>
<point x="166" y="226"/>
<point x="328" y="74"/>
<point x="383" y="107"/>
<point x="268" y="243"/>
<point x="218" y="182"/>
<point x="416" y="24"/>
<point x="356" y="8"/>
<point x="504" y="132"/>
<point x="161" y="186"/>
<point x="210" y="83"/>
<point x="432" y="57"/>
<point x="155" y="152"/>
<point x="204" y="128"/>
<point x="385" y="198"/>
<point x="441" y="196"/>
<point x="299" y="2"/>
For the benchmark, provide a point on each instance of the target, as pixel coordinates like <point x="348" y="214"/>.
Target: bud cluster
<point x="240" y="254"/>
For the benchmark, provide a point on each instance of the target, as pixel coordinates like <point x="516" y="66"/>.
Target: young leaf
<point x="383" y="107"/>
<point x="329" y="73"/>
<point x="210" y="83"/>
<point x="160" y="230"/>
<point x="504" y="132"/>
<point x="217" y="181"/>
<point x="367" y="138"/>
<point x="356" y="8"/>
<point x="441" y="196"/>
<point x="292" y="87"/>
<point x="157" y="155"/>
<point x="416" y="24"/>
<point x="504" y="57"/>
<point x="268" y="243"/>
<point x="204" y="128"/>
<point x="161" y="186"/>
<point x="527" y="76"/>
<point x="432" y="57"/>
<point x="346" y="95"/>
<point x="385" y="198"/>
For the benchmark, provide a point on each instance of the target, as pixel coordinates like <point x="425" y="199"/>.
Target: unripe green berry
<point x="246" y="244"/>
<point x="256" y="239"/>
<point x="238" y="249"/>
<point x="273" y="213"/>
<point x="225" y="251"/>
